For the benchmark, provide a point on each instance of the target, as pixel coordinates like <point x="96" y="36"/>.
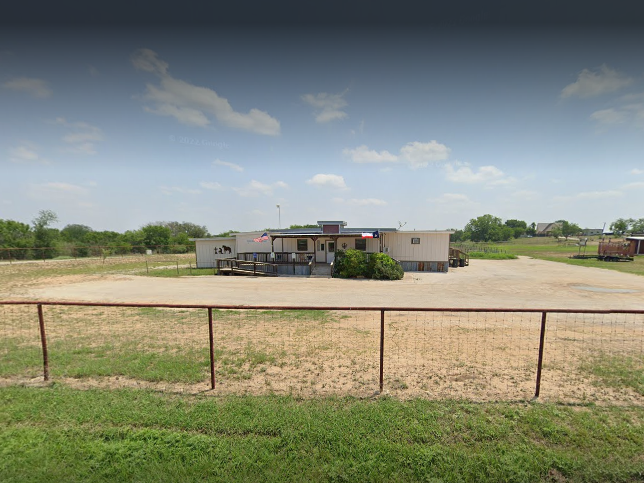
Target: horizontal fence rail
<point x="565" y="355"/>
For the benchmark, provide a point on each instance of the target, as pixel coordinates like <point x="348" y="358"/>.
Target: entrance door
<point x="330" y="251"/>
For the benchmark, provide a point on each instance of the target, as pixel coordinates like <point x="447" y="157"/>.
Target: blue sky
<point x="428" y="125"/>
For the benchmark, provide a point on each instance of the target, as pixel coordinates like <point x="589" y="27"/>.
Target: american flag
<point x="262" y="238"/>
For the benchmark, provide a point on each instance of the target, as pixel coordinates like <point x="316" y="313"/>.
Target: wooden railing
<point x="232" y="266"/>
<point x="280" y="257"/>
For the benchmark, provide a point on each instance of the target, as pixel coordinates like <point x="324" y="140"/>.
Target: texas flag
<point x="375" y="234"/>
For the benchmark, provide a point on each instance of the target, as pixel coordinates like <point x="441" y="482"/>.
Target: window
<point x="302" y="245"/>
<point x="415" y="241"/>
<point x="361" y="244"/>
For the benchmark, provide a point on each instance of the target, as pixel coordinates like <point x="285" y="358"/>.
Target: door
<point x="330" y="251"/>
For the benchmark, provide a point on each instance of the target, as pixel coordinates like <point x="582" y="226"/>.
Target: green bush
<point x="353" y="263"/>
<point x="382" y="267"/>
<point x="350" y="263"/>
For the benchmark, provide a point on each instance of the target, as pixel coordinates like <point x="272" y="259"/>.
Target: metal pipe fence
<point x="575" y="356"/>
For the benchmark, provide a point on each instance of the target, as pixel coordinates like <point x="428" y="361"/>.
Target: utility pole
<point x="279" y="217"/>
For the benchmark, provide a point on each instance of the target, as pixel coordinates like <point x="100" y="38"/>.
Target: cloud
<point x="415" y="154"/>
<point x="82" y="137"/>
<point x="170" y="190"/>
<point x="591" y="84"/>
<point x="333" y="180"/>
<point x="419" y="155"/>
<point x="209" y="185"/>
<point x="25" y="154"/>
<point x="490" y="175"/>
<point x="637" y="171"/>
<point x="634" y="185"/>
<point x="329" y="106"/>
<point x="257" y="188"/>
<point x="362" y="154"/>
<point x="190" y="104"/>
<point x="34" y="87"/>
<point x="232" y="166"/>
<point x="609" y="116"/>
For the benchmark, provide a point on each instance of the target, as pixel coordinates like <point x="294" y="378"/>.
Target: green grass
<point x="617" y="371"/>
<point x="492" y="256"/>
<point x="61" y="434"/>
<point x="547" y="248"/>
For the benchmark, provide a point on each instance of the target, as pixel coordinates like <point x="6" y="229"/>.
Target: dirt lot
<point x="479" y="356"/>
<point x="525" y="283"/>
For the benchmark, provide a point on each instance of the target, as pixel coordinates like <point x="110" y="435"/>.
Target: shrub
<point x="382" y="267"/>
<point x="350" y="263"/>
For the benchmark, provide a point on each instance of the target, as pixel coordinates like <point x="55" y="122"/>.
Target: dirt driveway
<point x="522" y="283"/>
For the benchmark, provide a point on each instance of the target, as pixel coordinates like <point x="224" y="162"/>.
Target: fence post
<point x="540" y="361"/>
<point x="43" y="340"/>
<point x="212" y="349"/>
<point x="382" y="347"/>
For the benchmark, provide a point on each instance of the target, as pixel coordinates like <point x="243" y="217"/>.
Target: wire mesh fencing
<point x="474" y="354"/>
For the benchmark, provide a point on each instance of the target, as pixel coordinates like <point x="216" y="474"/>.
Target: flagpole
<point x="279" y="217"/>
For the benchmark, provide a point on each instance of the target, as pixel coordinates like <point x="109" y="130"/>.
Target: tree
<point x="295" y="227"/>
<point x="569" y="229"/>
<point x="638" y="226"/>
<point x="14" y="234"/>
<point x="487" y="228"/>
<point x="45" y="237"/>
<point x="155" y="235"/>
<point x="532" y="229"/>
<point x="621" y="226"/>
<point x="185" y="227"/>
<point x="518" y="227"/>
<point x="75" y="233"/>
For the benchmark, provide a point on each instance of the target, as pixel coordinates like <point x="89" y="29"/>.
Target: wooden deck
<point x="232" y="266"/>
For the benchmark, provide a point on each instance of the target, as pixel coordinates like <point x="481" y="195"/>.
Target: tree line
<point x="40" y="240"/>
<point x="489" y="228"/>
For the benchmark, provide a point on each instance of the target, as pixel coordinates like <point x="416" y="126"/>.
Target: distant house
<point x="546" y="229"/>
<point x="592" y="231"/>
<point x="295" y="250"/>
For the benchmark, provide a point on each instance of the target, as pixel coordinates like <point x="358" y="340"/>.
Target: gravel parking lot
<point x="522" y="283"/>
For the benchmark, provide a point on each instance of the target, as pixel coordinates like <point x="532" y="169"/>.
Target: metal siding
<point x="206" y="251"/>
<point x="433" y="246"/>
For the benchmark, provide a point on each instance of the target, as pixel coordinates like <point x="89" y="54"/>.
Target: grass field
<point x="61" y="434"/>
<point x="548" y="248"/>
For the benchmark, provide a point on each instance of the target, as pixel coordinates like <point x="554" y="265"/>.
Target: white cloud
<point x="609" y="116"/>
<point x="634" y="185"/>
<point x="419" y="155"/>
<point x="256" y="188"/>
<point x="190" y="104"/>
<point x="232" y="166"/>
<point x="170" y="190"/>
<point x="415" y="154"/>
<point x="34" y="87"/>
<point x="333" y="180"/>
<point x="329" y="105"/>
<point x="590" y="84"/>
<point x="637" y="171"/>
<point x="25" y="153"/>
<point x="209" y="185"/>
<point x="82" y="137"/>
<point x="490" y="175"/>
<point x="362" y="154"/>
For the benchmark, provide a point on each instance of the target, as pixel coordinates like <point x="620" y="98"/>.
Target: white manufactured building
<point x="297" y="249"/>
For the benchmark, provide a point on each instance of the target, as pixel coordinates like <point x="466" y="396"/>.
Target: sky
<point x="379" y="116"/>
